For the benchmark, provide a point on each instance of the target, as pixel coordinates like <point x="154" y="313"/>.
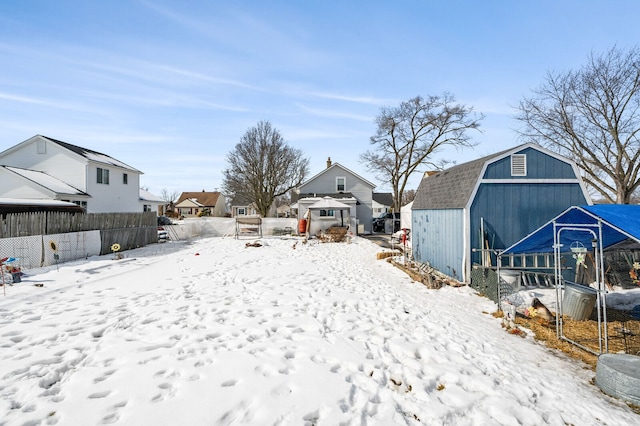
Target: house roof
<point x="91" y="155"/>
<point x="148" y="196"/>
<point x="333" y="166"/>
<point x="207" y="199"/>
<point x="337" y="195"/>
<point x="45" y="181"/>
<point x="384" y="198"/>
<point x="189" y="202"/>
<point x="452" y="188"/>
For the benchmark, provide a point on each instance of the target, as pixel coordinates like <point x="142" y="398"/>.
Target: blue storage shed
<point x="489" y="204"/>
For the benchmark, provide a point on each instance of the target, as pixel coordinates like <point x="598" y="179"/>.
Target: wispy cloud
<point x="332" y="113"/>
<point x="368" y="100"/>
<point x="25" y="99"/>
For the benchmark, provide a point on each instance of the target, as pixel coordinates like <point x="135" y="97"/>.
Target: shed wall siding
<point x="539" y="166"/>
<point x="439" y="239"/>
<point x="512" y="211"/>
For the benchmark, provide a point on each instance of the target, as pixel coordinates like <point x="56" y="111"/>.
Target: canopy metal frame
<point x="595" y="230"/>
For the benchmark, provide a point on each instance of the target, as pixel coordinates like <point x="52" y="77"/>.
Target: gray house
<point x="489" y="204"/>
<point x="340" y="183"/>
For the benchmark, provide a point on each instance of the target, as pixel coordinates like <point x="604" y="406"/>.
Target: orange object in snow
<point x="302" y="226"/>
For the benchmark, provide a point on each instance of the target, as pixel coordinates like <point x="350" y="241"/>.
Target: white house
<point x="382" y="203"/>
<point x="151" y="202"/>
<point x="340" y="183"/>
<point x="192" y="204"/>
<point x="95" y="181"/>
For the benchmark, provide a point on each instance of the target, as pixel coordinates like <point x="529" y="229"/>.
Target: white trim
<point x="518" y="164"/>
<point x="574" y="180"/>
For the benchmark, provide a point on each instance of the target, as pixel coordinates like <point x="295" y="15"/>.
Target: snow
<point x="217" y="333"/>
<point x="46" y="181"/>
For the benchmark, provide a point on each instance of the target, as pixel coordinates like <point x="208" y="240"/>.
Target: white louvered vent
<point x="519" y="165"/>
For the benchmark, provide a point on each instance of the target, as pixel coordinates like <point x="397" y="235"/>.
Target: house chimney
<point x="328" y="162"/>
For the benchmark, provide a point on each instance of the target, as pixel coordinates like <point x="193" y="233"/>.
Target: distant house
<point x="382" y="203"/>
<point x="151" y="202"/>
<point x="192" y="204"/>
<point x="343" y="185"/>
<point x="46" y="168"/>
<point x="240" y="207"/>
<point x="283" y="210"/>
<point x="462" y="213"/>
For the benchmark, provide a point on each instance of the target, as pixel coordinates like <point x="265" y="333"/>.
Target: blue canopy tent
<point x="580" y="229"/>
<point x="614" y="222"/>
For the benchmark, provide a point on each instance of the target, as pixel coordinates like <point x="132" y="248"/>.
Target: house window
<point x="125" y="178"/>
<point x="82" y="204"/>
<point x="340" y="184"/>
<point x="240" y="211"/>
<point x="327" y="213"/>
<point x="103" y="176"/>
<point x="146" y="207"/>
<point x="519" y="165"/>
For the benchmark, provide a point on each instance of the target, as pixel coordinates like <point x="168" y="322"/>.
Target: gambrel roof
<point x="453" y="188"/>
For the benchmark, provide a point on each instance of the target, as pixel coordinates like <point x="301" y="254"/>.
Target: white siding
<point x="80" y="173"/>
<point x="12" y="186"/>
<point x="116" y="196"/>
<point x="56" y="161"/>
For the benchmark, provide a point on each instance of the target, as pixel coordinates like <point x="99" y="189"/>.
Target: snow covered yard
<point x="215" y="332"/>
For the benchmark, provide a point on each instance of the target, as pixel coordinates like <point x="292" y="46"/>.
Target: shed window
<point x="327" y="213"/>
<point x="125" y="178"/>
<point x="340" y="184"/>
<point x="519" y="165"/>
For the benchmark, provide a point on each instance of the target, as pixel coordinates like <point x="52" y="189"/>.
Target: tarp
<point x="405" y="216"/>
<point x="618" y="222"/>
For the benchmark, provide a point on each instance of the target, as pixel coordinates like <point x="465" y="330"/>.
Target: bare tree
<point x="408" y="135"/>
<point x="408" y="196"/>
<point x="262" y="167"/>
<point x="592" y="116"/>
<point x="169" y="196"/>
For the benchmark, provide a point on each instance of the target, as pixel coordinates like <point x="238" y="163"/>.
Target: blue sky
<point x="170" y="87"/>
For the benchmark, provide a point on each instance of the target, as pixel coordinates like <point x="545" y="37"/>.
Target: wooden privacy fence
<point x="46" y="223"/>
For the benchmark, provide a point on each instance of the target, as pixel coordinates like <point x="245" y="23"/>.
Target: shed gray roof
<point x="451" y="188"/>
